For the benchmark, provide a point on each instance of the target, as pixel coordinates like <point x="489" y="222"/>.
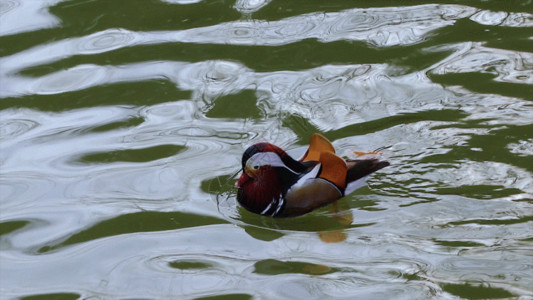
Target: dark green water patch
<point x="189" y="265"/>
<point x="143" y="93"/>
<point x="218" y="185"/>
<point x="457" y="244"/>
<point x="134" y="155"/>
<point x="372" y="208"/>
<point x="145" y="221"/>
<point x="476" y="123"/>
<point x="304" y="129"/>
<point x="263" y="234"/>
<point x="521" y="41"/>
<point x="417" y="202"/>
<point x="418" y="59"/>
<point x="80" y="18"/>
<point x="10" y="226"/>
<point x="24" y="40"/>
<point x="325" y="219"/>
<point x="484" y="83"/>
<point x="524" y="219"/>
<point x="479" y="191"/>
<point x="468" y="291"/>
<point x="301" y="127"/>
<point x="517" y="38"/>
<point x="489" y="147"/>
<point x="467" y="30"/>
<point x="55" y="296"/>
<point x="447" y="115"/>
<point x="407" y="276"/>
<point x="130" y="122"/>
<point x="227" y="297"/>
<point x="276" y="267"/>
<point x="411" y="277"/>
<point x="84" y="17"/>
<point x="314" y="221"/>
<point x="242" y="105"/>
<point x="359" y="225"/>
<point x="368" y="205"/>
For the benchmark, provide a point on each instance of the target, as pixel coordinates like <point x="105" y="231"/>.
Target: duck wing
<point x="309" y="193"/>
<point x="317" y="145"/>
<point x="333" y="168"/>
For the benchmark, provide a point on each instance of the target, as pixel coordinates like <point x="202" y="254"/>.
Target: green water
<point x="122" y="125"/>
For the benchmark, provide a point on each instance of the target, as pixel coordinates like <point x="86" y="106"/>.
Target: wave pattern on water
<point x="117" y="168"/>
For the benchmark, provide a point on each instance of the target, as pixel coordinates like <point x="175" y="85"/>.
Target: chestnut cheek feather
<point x="256" y="194"/>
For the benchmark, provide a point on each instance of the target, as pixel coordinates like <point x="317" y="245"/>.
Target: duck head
<point x="267" y="173"/>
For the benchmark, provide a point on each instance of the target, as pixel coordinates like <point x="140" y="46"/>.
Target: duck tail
<point x="359" y="170"/>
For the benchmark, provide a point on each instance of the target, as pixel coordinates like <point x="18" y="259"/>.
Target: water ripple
<point x="523" y="148"/>
<point x="77" y="78"/>
<point x="147" y="208"/>
<point x="106" y="40"/>
<point x="250" y="6"/>
<point x="7" y="6"/>
<point x="509" y="66"/>
<point x="13" y="128"/>
<point x="501" y="18"/>
<point x="369" y="25"/>
<point x="379" y="26"/>
<point x="486" y="17"/>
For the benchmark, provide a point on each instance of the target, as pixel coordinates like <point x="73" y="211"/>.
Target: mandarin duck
<point x="274" y="184"/>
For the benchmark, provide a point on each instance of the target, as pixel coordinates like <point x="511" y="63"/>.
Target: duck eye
<point x="256" y="167"/>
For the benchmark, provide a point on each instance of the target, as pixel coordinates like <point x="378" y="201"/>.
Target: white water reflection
<point x="250" y="6"/>
<point x="230" y="262"/>
<point x="501" y="18"/>
<point x="353" y="93"/>
<point x="17" y="16"/>
<point x="379" y="26"/>
<point x="509" y="66"/>
<point x="522" y="148"/>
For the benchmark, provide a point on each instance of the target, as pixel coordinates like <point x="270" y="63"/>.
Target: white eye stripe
<point x="266" y="159"/>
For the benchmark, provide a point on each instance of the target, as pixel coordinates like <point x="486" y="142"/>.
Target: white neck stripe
<point x="267" y="159"/>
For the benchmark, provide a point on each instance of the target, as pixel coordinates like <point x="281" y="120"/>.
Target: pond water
<point x="123" y="124"/>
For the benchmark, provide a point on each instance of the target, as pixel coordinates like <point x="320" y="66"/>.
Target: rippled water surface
<point x="122" y="125"/>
